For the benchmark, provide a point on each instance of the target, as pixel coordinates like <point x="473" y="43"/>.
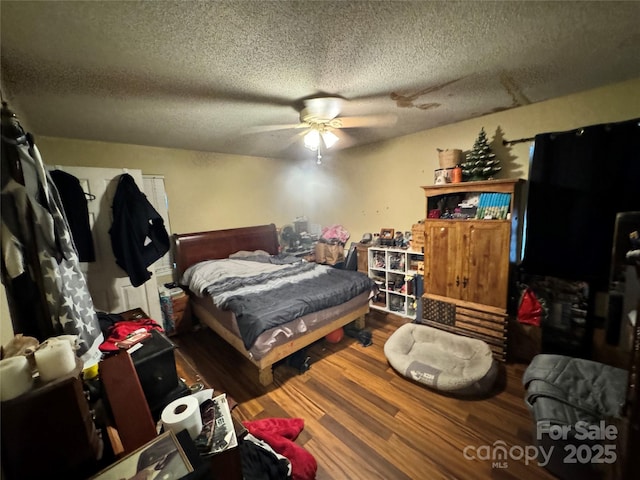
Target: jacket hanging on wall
<point x="75" y="206"/>
<point x="138" y="234"/>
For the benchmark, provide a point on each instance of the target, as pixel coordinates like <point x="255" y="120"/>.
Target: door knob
<point x="457" y="281"/>
<point x="465" y="280"/>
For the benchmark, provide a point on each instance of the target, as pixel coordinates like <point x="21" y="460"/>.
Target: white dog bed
<point x="441" y="360"/>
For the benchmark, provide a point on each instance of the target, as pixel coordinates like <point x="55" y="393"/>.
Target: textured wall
<point x="381" y="183"/>
<point x="364" y="189"/>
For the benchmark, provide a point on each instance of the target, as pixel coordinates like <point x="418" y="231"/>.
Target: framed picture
<point x="162" y="457"/>
<point x="386" y="233"/>
<point x="386" y="237"/>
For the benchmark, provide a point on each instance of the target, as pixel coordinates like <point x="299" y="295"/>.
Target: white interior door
<point x="109" y="285"/>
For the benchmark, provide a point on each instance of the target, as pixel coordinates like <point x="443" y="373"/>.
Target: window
<point x="154" y="190"/>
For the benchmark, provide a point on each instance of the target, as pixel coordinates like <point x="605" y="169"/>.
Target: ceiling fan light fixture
<point x="312" y="139"/>
<point x="329" y="138"/>
<point x="317" y="132"/>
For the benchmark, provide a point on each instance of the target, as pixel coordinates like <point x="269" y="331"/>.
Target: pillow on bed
<point x="199" y="276"/>
<point x="247" y="253"/>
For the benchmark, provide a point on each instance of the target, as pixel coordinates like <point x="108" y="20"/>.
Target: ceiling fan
<point x="323" y="126"/>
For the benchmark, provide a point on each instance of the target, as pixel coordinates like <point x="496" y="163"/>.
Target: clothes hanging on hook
<point x="12" y="135"/>
<point x="47" y="290"/>
<point x="138" y="235"/>
<point x="12" y="131"/>
<point x="74" y="202"/>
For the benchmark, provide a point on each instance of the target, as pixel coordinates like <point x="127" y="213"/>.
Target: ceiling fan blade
<point x="271" y="128"/>
<point x="293" y="139"/>
<point x="383" y="120"/>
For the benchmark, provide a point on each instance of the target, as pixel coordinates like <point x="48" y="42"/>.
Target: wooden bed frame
<point x="191" y="248"/>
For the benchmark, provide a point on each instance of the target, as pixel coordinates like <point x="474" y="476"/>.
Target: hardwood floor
<point x="362" y="419"/>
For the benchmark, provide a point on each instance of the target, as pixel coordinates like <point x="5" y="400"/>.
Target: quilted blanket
<point x="266" y="292"/>
<point x="595" y="389"/>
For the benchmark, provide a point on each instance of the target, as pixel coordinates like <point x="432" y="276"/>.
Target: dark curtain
<point x="578" y="182"/>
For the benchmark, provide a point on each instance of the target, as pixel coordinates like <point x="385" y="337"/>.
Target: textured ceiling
<point x="200" y="75"/>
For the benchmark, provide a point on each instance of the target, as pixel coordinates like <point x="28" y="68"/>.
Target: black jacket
<point x="76" y="210"/>
<point x="138" y="234"/>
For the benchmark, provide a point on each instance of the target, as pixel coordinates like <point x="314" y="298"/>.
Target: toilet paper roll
<point x="55" y="360"/>
<point x="15" y="377"/>
<point x="183" y="413"/>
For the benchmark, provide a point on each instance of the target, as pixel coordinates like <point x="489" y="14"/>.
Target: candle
<point x="55" y="360"/>
<point x="15" y="377"/>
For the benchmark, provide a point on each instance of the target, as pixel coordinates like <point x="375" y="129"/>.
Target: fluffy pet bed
<point x="441" y="360"/>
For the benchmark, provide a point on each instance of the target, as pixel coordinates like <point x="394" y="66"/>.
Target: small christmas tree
<point x="480" y="163"/>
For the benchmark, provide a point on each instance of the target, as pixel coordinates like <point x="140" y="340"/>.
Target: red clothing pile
<point x="121" y="329"/>
<point x="280" y="434"/>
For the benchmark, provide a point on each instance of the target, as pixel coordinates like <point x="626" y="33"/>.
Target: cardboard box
<point x="417" y="237"/>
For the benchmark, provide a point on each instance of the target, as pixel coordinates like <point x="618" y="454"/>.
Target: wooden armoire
<point x="468" y="260"/>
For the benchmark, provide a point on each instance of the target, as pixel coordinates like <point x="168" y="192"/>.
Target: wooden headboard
<point x="191" y="248"/>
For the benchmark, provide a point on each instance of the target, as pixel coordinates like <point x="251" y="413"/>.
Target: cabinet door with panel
<point x="484" y="269"/>
<point x="468" y="261"/>
<point x="443" y="261"/>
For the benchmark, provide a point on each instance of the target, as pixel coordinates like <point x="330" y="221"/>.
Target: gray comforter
<point x="266" y="292"/>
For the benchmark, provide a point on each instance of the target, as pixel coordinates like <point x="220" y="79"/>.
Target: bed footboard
<point x="195" y="247"/>
<point x="265" y="364"/>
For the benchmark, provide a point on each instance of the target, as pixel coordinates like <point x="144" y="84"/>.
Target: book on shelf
<point x="493" y="206"/>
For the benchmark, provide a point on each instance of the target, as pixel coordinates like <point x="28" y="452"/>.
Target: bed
<point x="276" y="336"/>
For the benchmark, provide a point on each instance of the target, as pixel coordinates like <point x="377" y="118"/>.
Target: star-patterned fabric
<point x="35" y="218"/>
